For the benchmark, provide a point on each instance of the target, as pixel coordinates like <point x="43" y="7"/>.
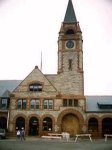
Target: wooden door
<point x="70" y="124"/>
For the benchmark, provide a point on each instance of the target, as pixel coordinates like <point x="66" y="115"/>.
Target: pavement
<point x="34" y="143"/>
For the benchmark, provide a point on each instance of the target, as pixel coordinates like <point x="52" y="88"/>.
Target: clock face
<point x="70" y="44"/>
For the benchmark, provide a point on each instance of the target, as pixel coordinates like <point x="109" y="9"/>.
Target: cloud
<point x="2" y="2"/>
<point x="109" y="1"/>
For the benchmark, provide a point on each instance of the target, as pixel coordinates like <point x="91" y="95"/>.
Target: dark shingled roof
<point x="93" y="101"/>
<point x="9" y="85"/>
<point x="70" y="16"/>
<point x="6" y="94"/>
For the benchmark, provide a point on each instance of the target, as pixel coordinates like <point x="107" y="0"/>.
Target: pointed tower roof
<point x="6" y="94"/>
<point x="70" y="16"/>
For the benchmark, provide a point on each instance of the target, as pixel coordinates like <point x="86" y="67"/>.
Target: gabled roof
<point x="35" y="76"/>
<point x="9" y="85"/>
<point x="6" y="94"/>
<point x="70" y="16"/>
<point x="92" y="103"/>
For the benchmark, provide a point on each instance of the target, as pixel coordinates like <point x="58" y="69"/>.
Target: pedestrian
<point x="18" y="134"/>
<point x="22" y="134"/>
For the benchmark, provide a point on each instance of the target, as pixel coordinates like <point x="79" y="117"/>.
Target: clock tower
<point x="70" y="43"/>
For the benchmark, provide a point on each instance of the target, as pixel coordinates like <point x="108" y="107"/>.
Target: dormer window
<point x="36" y="87"/>
<point x="104" y="105"/>
<point x="69" y="31"/>
<point x="4" y="103"/>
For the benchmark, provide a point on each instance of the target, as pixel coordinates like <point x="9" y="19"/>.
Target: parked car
<point x="2" y="133"/>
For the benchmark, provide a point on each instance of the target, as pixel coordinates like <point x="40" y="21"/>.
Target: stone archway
<point x="20" y="123"/>
<point x="107" y="126"/>
<point x="71" y="121"/>
<point x="33" y="126"/>
<point x="70" y="124"/>
<point x="49" y="118"/>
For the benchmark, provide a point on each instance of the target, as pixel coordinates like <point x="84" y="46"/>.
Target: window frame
<point x="47" y="105"/>
<point x="21" y="104"/>
<point x="35" y="87"/>
<point x="4" y="105"/>
<point x="35" y="106"/>
<point x="70" y="103"/>
<point x="70" y="61"/>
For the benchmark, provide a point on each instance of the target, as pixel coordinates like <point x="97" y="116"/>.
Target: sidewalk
<point x="34" y="143"/>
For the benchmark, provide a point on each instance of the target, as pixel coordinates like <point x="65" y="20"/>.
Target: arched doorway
<point x="107" y="126"/>
<point x="93" y="126"/>
<point x="70" y="124"/>
<point x="33" y="126"/>
<point x="20" y="123"/>
<point x="47" y="124"/>
<point x="3" y="122"/>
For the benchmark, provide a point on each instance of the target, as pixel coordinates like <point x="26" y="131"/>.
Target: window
<point x="65" y="102"/>
<point x="70" y="102"/>
<point x="70" y="64"/>
<point x="69" y="31"/>
<point x="4" y="103"/>
<point x="35" y="87"/>
<point x="75" y="102"/>
<point x="35" y="104"/>
<point x="104" y="106"/>
<point x="48" y="104"/>
<point x="21" y="104"/>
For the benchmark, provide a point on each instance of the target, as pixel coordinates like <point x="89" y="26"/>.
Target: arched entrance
<point x="93" y="126"/>
<point x="3" y="122"/>
<point x="47" y="124"/>
<point x="33" y="126"/>
<point x="107" y="126"/>
<point x="20" y="123"/>
<point x="70" y="124"/>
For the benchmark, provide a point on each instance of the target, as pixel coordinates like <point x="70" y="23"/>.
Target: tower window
<point x="70" y="102"/>
<point x="70" y="64"/>
<point x="70" y="31"/>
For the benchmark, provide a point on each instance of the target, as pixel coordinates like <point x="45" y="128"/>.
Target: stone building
<point x="44" y="103"/>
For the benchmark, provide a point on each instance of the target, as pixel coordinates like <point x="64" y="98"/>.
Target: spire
<point x="70" y="16"/>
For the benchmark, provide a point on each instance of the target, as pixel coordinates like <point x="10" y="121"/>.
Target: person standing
<point x="18" y="134"/>
<point x="22" y="134"/>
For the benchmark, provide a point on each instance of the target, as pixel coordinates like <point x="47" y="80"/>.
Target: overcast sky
<point x="28" y="27"/>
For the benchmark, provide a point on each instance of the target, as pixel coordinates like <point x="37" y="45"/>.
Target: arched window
<point x="93" y="125"/>
<point x="69" y="31"/>
<point x="47" y="124"/>
<point x="35" y="87"/>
